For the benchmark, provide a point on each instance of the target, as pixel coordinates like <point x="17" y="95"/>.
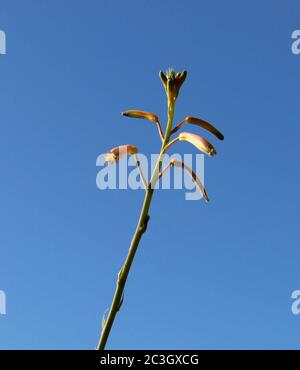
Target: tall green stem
<point x="140" y="229"/>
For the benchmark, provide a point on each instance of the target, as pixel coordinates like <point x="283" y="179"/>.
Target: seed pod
<point x="199" y="142"/>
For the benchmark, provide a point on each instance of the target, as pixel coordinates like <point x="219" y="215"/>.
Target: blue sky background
<point x="213" y="276"/>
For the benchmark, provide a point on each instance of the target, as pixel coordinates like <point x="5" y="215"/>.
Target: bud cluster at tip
<point x="172" y="82"/>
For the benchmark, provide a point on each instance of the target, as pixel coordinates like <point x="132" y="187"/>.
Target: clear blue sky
<point x="206" y="276"/>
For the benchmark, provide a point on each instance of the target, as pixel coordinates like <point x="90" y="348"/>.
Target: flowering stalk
<point x="172" y="83"/>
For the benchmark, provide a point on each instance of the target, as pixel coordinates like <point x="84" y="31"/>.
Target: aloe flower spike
<point x="172" y="83"/>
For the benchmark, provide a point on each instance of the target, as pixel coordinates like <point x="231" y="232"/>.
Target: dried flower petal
<point x="141" y="114"/>
<point x="115" y="154"/>
<point x="199" y="142"/>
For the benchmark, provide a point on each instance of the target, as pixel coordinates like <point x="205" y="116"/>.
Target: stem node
<point x="145" y="224"/>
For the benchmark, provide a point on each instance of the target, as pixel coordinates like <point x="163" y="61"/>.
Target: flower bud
<point x="164" y="79"/>
<point x="207" y="126"/>
<point x="141" y="114"/>
<point x="199" y="142"/>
